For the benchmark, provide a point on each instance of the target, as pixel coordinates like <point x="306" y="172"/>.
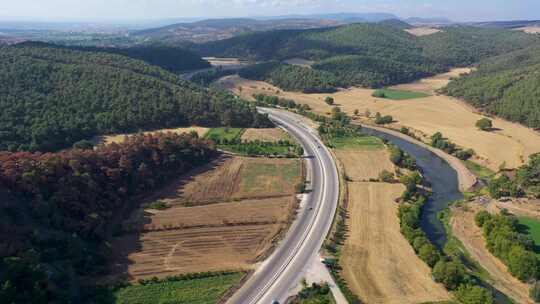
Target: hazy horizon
<point x="151" y="10"/>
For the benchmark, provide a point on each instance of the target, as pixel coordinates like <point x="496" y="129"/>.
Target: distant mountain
<point x="352" y="17"/>
<point x="507" y="24"/>
<point x="428" y="21"/>
<point x="218" y="29"/>
<point x="396" y="23"/>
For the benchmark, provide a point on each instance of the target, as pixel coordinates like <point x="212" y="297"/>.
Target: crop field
<point x="224" y="133"/>
<point x="422" y="31"/>
<point x="226" y="216"/>
<point x="266" y="135"/>
<point x="437" y="113"/>
<point x="531" y="227"/>
<point x="378" y="263"/>
<point x="400" y="94"/>
<point x="119" y="138"/>
<point x="365" y="165"/>
<point x="357" y="142"/>
<point x="465" y="230"/>
<point x="195" y="291"/>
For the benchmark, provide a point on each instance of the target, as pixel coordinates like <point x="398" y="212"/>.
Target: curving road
<point x="283" y="269"/>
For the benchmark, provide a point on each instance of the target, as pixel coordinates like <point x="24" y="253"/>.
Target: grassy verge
<point x="196" y="289"/>
<point x="315" y="294"/>
<point x="398" y="94"/>
<point x="479" y="170"/>
<point x="357" y="142"/>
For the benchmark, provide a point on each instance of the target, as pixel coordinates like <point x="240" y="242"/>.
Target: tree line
<point x="59" y="209"/>
<point x="51" y="98"/>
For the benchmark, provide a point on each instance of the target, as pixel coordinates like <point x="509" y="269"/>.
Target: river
<point x="442" y="177"/>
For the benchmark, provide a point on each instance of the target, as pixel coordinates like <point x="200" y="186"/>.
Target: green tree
<point x="523" y="264"/>
<point x="450" y="273"/>
<point x="484" y="124"/>
<point x="429" y="254"/>
<point x="329" y="101"/>
<point x="469" y="294"/>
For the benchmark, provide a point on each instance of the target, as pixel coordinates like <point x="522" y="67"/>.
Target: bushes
<point x="383" y="120"/>
<point x="450" y="273"/>
<point x="439" y="142"/>
<point x="484" y="124"/>
<point x="503" y="187"/>
<point x="401" y="159"/>
<point x="505" y="242"/>
<point x="470" y="294"/>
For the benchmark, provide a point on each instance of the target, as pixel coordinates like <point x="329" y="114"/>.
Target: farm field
<point x="465" y="230"/>
<point x="195" y="291"/>
<point x="422" y="31"/>
<point x="379" y="264"/>
<point x="267" y="135"/>
<point x="530" y="29"/>
<point x="394" y="94"/>
<point x="226" y="216"/>
<point x="455" y="119"/>
<point x="119" y="138"/>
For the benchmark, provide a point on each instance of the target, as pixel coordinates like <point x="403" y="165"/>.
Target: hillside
<point x="506" y="86"/>
<point x="218" y="29"/>
<point x="53" y="97"/>
<point x="369" y="55"/>
<point x="172" y="59"/>
<point x="59" y="210"/>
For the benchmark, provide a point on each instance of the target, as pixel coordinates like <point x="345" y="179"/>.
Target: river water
<point x="442" y="177"/>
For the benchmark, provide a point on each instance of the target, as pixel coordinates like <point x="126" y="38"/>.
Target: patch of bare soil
<point x="422" y="31"/>
<point x="379" y="264"/>
<point x="465" y="229"/>
<point x="267" y="135"/>
<point x="300" y="62"/>
<point x="530" y="29"/>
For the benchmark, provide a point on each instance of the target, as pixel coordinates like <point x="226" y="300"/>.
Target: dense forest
<point x="51" y="98"/>
<point x="58" y="210"/>
<point x="506" y="85"/>
<point x="370" y="55"/>
<point x="173" y="59"/>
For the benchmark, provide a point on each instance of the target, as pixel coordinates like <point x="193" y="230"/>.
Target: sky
<point x="93" y="10"/>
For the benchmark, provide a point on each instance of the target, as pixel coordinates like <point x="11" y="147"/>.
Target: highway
<point x="283" y="269"/>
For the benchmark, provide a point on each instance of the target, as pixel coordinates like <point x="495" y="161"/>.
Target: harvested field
<point x="268" y="135"/>
<point x="455" y="119"/>
<point x="364" y="165"/>
<point x="422" y="31"/>
<point x="255" y="211"/>
<point x="465" y="229"/>
<point x="519" y="207"/>
<point x="431" y="84"/>
<point x="179" y="251"/>
<point x="119" y="138"/>
<point x="234" y="178"/>
<point x="378" y="263"/>
<point x="225" y="216"/>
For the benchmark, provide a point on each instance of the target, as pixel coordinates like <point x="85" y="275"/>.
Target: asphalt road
<point x="283" y="269"/>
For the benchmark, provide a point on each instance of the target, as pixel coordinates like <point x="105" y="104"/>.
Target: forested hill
<point x="371" y="55"/>
<point x="507" y="85"/>
<point x="53" y="97"/>
<point x="173" y="59"/>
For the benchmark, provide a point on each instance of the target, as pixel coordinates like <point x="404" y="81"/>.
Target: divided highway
<point x="283" y="269"/>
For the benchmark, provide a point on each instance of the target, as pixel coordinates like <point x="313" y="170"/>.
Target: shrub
<point x="386" y="176"/>
<point x="383" y="120"/>
<point x="84" y="145"/>
<point x="484" y="124"/>
<point x="534" y="292"/>
<point x="429" y="254"/>
<point x="470" y="294"/>
<point x="482" y="217"/>
<point x="329" y="100"/>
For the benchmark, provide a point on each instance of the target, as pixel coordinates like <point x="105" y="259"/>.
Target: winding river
<point x="442" y="177"/>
